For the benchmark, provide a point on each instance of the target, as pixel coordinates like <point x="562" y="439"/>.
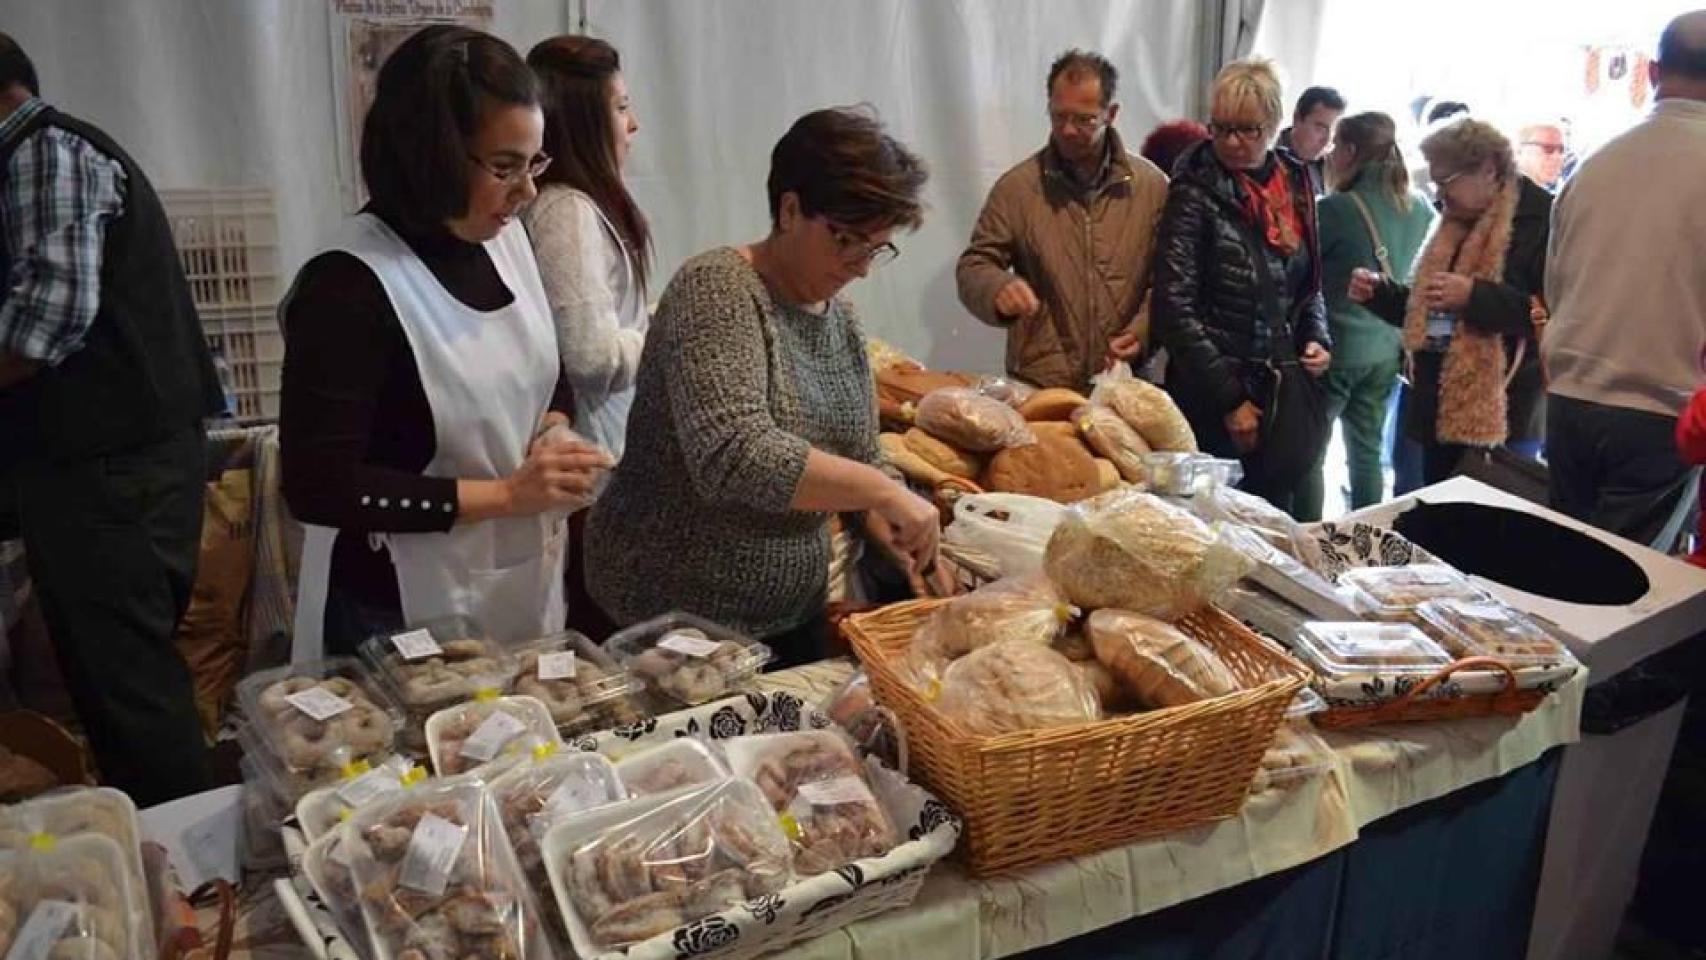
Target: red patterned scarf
<point x="1269" y="206"/>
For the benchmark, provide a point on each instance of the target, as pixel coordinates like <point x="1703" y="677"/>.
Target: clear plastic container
<point x="436" y="664"/>
<point x="628" y="872"/>
<point x="1491" y="629"/>
<point x="1265" y="612"/>
<point x="682" y="762"/>
<point x="814" y="782"/>
<point x="323" y="808"/>
<point x="319" y="720"/>
<point x="328" y="873"/>
<point x="537" y="793"/>
<point x="263" y="808"/>
<point x="82" y="883"/>
<point x="473" y="736"/>
<point x="1212" y="472"/>
<point x="81" y="811"/>
<point x="1340" y="650"/>
<point x="1282" y="575"/>
<point x="687" y="659"/>
<point x="1393" y="593"/>
<point x="583" y="687"/>
<point x="1171" y="473"/>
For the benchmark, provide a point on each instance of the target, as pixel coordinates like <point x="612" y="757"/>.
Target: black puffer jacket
<point x="1209" y="308"/>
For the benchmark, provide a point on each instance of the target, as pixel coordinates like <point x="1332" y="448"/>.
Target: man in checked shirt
<point x="104" y="383"/>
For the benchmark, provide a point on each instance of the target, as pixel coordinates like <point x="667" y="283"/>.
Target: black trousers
<point x="1615" y="468"/>
<point x="112" y="544"/>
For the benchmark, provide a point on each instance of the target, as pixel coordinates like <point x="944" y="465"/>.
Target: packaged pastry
<point x="1014" y="686"/>
<point x="1027" y="609"/>
<point x="1265" y="612"/>
<point x="682" y="762"/>
<point x="688" y="659"/>
<point x="1338" y="651"/>
<point x="1055" y="403"/>
<point x="1129" y="550"/>
<point x="80" y="812"/>
<point x="472" y="735"/>
<point x="1261" y="518"/>
<point x="1013" y="393"/>
<point x="321" y="810"/>
<point x="817" y="787"/>
<point x="971" y="421"/>
<point x="440" y="663"/>
<point x="540" y="791"/>
<point x="326" y="866"/>
<point x="580" y="684"/>
<point x="437" y="878"/>
<point x="945" y="456"/>
<point x="1469" y="628"/>
<point x="70" y="898"/>
<point x="1393" y="593"/>
<point x="1155" y="662"/>
<point x="628" y="872"/>
<point x="1113" y="439"/>
<point x="1282" y="575"/>
<point x="1148" y="408"/>
<point x="319" y="719"/>
<point x="1057" y="466"/>
<point x="874" y="728"/>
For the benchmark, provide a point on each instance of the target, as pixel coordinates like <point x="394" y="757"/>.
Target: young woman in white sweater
<point x="590" y="238"/>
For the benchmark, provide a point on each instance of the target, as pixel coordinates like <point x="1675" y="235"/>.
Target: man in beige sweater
<point x="1060" y="255"/>
<point x="1628" y="299"/>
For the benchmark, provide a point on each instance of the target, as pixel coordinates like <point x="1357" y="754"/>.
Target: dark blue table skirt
<point x="1451" y="878"/>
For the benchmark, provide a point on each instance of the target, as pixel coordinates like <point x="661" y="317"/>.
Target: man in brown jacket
<point x="1060" y="255"/>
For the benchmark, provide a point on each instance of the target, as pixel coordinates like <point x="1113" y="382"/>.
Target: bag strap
<point x="1381" y="255"/>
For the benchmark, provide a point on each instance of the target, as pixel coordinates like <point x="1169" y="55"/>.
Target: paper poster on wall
<point x="364" y="33"/>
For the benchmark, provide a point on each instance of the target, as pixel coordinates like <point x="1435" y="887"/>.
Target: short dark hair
<point x="1446" y="109"/>
<point x="842" y="165"/>
<point x="1318" y="97"/>
<point x="15" y="66"/>
<point x="431" y="95"/>
<point x="1077" y="64"/>
<point x="1677" y="56"/>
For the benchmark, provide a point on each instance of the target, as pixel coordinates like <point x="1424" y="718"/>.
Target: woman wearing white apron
<point x="421" y="366"/>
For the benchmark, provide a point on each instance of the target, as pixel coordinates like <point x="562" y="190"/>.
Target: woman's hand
<point x="1448" y="292"/>
<point x="1316" y="359"/>
<point x="1363" y="284"/>
<point x="552" y="419"/>
<point x="555" y="476"/>
<point x="1244" y="425"/>
<point x="909" y="525"/>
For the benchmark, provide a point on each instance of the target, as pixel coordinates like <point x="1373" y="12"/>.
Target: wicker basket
<point x="1040" y="796"/>
<point x="1415" y="704"/>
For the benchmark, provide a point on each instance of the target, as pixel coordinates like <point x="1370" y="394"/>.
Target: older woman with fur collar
<point x="1468" y="313"/>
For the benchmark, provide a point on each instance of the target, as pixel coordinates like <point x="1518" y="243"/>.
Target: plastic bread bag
<point x="1155" y="662"/>
<point x="1024" y="609"/>
<point x="320" y="718"/>
<point x="321" y="810"/>
<point x="1260" y="517"/>
<point x="817" y="786"/>
<point x="1011" y="528"/>
<point x="1013" y="393"/>
<point x="1131" y="551"/>
<point x="326" y="865"/>
<point x="70" y="898"/>
<point x="1146" y="407"/>
<point x="971" y="421"/>
<point x="630" y="872"/>
<point x="437" y="877"/>
<point x="874" y="728"/>
<point x="83" y="811"/>
<point x="1114" y="440"/>
<point x="1014" y="686"/>
<point x="439" y="663"/>
<point x="473" y="735"/>
<point x="580" y="684"/>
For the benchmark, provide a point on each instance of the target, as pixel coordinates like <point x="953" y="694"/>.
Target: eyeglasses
<point x="1087" y="122"/>
<point x="852" y="247"/>
<point x="1550" y="149"/>
<point x="1442" y="184"/>
<point x="1241" y="131"/>
<point x="510" y="174"/>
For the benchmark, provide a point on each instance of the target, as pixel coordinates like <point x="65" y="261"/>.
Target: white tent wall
<point x="241" y="92"/>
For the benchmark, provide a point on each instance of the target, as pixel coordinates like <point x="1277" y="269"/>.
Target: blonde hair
<point x="1245" y="88"/>
<point x="1374" y="137"/>
<point x="1463" y="145"/>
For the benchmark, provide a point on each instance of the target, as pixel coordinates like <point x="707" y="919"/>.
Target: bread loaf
<point x="1010" y="687"/>
<point x="1155" y="662"/>
<point x="1111" y="437"/>
<point x="944" y="456"/>
<point x="971" y="421"/>
<point x="1055" y="403"/>
<point x="1151" y="412"/>
<point x="1056" y="467"/>
<point x="1109" y="473"/>
<point x="1022" y="609"/>
<point x="896" y="453"/>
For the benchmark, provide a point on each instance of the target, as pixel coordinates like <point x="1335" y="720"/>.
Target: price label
<point x="573" y="796"/>
<point x="319" y="703"/>
<point x="416" y="645"/>
<point x="433" y="849"/>
<point x="557" y="666"/>
<point x="692" y="644"/>
<point x="373" y="783"/>
<point x="489" y="738"/>
<point x="46" y="925"/>
<point x="832" y="793"/>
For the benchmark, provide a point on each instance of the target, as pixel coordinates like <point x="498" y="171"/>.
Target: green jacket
<point x="1361" y="338"/>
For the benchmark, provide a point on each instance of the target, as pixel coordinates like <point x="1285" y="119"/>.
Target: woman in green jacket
<point x="1373" y="220"/>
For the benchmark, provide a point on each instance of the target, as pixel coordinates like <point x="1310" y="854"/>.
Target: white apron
<point x="603" y="417"/>
<point x="488" y="377"/>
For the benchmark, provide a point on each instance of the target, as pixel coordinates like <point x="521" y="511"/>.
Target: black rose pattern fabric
<point x="704" y="936"/>
<point x="727" y="723"/>
<point x="765" y="908"/>
<point x="935" y="814"/>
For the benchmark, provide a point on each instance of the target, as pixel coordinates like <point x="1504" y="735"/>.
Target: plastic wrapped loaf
<point x="1023" y="609"/>
<point x="971" y="421"/>
<point x="1132" y="551"/>
<point x="1147" y="407"/>
<point x="1014" y="686"/>
<point x="1267" y="521"/>
<point x="1154" y="662"/>
<point x="1114" y="440"/>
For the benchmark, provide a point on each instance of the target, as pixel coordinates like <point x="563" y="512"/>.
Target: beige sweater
<point x="1625" y="278"/>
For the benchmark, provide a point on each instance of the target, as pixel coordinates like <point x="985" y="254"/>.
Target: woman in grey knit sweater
<point x="755" y="416"/>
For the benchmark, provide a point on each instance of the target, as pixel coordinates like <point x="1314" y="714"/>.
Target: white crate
<point x="227" y="240"/>
<point x="253" y="348"/>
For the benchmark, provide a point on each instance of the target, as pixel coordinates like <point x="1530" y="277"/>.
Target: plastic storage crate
<point x="227" y="240"/>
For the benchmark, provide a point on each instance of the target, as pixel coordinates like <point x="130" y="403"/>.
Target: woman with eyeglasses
<point x="755" y="416"/>
<point x="1470" y="313"/>
<point x="421" y="369"/>
<point x="1237" y="299"/>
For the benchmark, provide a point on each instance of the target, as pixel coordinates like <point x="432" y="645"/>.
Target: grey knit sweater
<point x="734" y="389"/>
